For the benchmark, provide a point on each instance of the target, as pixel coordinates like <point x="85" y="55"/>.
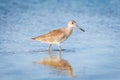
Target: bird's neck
<point x="68" y="31"/>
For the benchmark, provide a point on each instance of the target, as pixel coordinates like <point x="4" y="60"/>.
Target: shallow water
<point x="93" y="55"/>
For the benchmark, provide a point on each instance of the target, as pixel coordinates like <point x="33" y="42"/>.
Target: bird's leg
<point x="60" y="47"/>
<point x="59" y="55"/>
<point x="50" y="53"/>
<point x="49" y="47"/>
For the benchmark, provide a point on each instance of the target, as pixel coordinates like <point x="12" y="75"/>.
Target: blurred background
<point x="92" y="55"/>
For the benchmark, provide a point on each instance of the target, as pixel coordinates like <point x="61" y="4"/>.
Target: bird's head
<point x="72" y="23"/>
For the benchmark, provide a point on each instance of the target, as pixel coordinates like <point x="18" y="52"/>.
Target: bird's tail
<point x="38" y="38"/>
<point x="34" y="38"/>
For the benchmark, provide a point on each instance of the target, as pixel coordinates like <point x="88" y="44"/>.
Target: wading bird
<point x="59" y="35"/>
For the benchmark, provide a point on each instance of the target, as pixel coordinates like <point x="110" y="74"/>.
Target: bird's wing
<point x="55" y="35"/>
<point x="52" y="36"/>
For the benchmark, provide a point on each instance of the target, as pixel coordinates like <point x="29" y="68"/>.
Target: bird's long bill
<point x="80" y="28"/>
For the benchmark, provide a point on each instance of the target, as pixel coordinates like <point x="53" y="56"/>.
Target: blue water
<point x="93" y="55"/>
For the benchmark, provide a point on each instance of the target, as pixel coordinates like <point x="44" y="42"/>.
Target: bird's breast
<point x="68" y="33"/>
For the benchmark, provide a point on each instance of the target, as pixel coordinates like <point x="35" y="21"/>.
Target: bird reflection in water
<point x="57" y="62"/>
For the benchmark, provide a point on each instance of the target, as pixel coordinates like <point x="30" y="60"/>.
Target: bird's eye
<point x="72" y="22"/>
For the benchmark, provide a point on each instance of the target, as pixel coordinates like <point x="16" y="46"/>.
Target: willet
<point x="58" y="36"/>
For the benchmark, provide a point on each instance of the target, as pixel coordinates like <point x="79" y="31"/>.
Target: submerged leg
<point x="59" y="55"/>
<point x="60" y="47"/>
<point x="60" y="50"/>
<point x="49" y="52"/>
<point x="49" y="47"/>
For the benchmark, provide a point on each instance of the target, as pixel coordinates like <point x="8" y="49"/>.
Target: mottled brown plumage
<point x="51" y="37"/>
